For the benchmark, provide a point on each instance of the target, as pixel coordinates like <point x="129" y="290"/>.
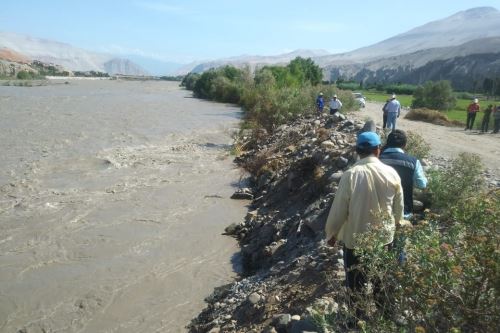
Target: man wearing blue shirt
<point x="320" y="103"/>
<point x="408" y="167"/>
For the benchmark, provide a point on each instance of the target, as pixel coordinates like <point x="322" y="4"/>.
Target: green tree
<point x="488" y="86"/>
<point x="305" y="70"/>
<point x="434" y="95"/>
<point x="24" y="75"/>
<point x="189" y="80"/>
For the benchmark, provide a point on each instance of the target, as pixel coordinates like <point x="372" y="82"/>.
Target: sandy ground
<point x="113" y="196"/>
<point x="445" y="141"/>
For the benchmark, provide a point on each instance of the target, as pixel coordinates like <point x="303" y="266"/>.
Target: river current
<point x="113" y="198"/>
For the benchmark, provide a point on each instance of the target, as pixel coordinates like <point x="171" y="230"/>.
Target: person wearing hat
<point x="320" y="103"/>
<point x="472" y="109"/>
<point x="393" y="109"/>
<point x="335" y="105"/>
<point x="368" y="190"/>
<point x="408" y="167"/>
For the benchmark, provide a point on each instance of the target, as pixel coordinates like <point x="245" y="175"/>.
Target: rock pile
<point x="289" y="271"/>
<point x="287" y="266"/>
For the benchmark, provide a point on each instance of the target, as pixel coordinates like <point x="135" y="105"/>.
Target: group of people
<point x="380" y="183"/>
<point x="474" y="108"/>
<point x="335" y="104"/>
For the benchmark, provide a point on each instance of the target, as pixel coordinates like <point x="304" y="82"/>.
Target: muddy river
<point x="113" y="197"/>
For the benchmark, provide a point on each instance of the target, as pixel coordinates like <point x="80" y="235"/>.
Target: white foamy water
<point x="113" y="197"/>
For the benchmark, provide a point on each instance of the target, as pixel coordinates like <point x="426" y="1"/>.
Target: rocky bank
<point x="289" y="272"/>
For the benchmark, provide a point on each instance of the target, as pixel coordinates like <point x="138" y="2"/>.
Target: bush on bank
<point x="448" y="281"/>
<point x="271" y="96"/>
<point x="434" y="95"/>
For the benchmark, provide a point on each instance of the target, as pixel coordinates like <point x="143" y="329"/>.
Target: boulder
<point x="327" y="144"/>
<point x="341" y="162"/>
<point x="282" y="320"/>
<point x="254" y="298"/>
<point x="418" y="206"/>
<point x="232" y="229"/>
<point x="335" y="177"/>
<point x="243" y="194"/>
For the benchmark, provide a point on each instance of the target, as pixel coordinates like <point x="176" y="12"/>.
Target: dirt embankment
<point x="290" y="272"/>
<point x="444" y="141"/>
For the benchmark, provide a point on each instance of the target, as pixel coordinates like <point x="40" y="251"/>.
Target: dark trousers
<point x="333" y="111"/>
<point x="496" y="126"/>
<point x="486" y="122"/>
<point x="354" y="278"/>
<point x="470" y="120"/>
<point x="384" y="120"/>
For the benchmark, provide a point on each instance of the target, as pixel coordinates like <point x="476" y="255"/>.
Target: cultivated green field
<point x="458" y="113"/>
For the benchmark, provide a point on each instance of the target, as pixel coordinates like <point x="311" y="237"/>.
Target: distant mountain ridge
<point x="469" y="39"/>
<point x="67" y="56"/>
<point x="251" y="60"/>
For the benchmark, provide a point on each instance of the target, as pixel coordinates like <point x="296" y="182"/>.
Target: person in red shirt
<point x="472" y="109"/>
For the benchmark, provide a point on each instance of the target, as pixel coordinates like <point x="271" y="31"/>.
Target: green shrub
<point x="434" y="95"/>
<point x="273" y="96"/>
<point x="348" y="85"/>
<point x="24" y="75"/>
<point x="189" y="80"/>
<point x="461" y="180"/>
<point x="417" y="146"/>
<point x="400" y="89"/>
<point x="448" y="281"/>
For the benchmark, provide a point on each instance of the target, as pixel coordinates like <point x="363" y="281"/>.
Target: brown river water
<point x="113" y="197"/>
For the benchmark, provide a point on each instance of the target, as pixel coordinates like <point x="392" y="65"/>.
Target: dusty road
<point x="444" y="141"/>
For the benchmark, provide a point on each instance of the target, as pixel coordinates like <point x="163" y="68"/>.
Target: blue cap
<point x="368" y="140"/>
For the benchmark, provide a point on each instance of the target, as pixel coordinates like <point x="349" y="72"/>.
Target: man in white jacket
<point x="335" y="105"/>
<point x="367" y="191"/>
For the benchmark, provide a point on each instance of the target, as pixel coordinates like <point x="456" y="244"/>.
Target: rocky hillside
<point x="464" y="65"/>
<point x="67" y="56"/>
<point x="469" y="39"/>
<point x="460" y="28"/>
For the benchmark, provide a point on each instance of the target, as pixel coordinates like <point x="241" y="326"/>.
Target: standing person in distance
<point x="393" y="111"/>
<point x="486" y="119"/>
<point x="335" y="105"/>
<point x="366" y="191"/>
<point x="496" y="118"/>
<point x="472" y="109"/>
<point x="320" y="103"/>
<point x="384" y="115"/>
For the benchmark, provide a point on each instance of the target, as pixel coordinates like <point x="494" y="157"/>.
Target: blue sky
<point x="189" y="30"/>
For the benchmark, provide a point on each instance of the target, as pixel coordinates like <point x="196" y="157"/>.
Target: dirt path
<point x="444" y="141"/>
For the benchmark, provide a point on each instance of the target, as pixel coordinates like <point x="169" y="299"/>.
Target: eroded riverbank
<point x="113" y="196"/>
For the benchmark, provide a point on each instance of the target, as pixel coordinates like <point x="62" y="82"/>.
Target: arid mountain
<point x="464" y="65"/>
<point x="469" y="39"/>
<point x="67" y="56"/>
<point x="9" y="55"/>
<point x="251" y="60"/>
<point x="462" y="27"/>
